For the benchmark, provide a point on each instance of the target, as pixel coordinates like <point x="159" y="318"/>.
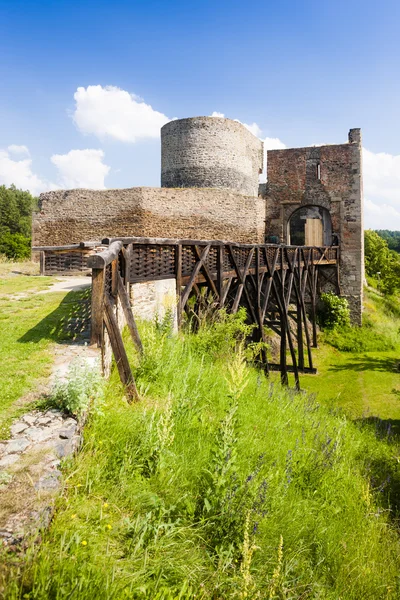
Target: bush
<point x="334" y="312"/>
<point x="15" y="245"/>
<point x="84" y="386"/>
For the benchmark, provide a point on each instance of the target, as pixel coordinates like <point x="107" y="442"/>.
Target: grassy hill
<point x="221" y="484"/>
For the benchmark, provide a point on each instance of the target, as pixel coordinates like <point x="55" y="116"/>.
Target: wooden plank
<point x="178" y="276"/>
<point x="102" y="259"/>
<point x="206" y="272"/>
<point x="114" y="278"/>
<point x="96" y="331"/>
<point x="220" y="274"/>
<point x="119" y="351"/>
<point x="130" y="320"/>
<point x="42" y="260"/>
<point x="188" y="288"/>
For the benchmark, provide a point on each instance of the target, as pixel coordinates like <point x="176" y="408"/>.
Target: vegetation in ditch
<point x="219" y="484"/>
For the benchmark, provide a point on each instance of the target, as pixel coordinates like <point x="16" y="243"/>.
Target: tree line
<point x="16" y="207"/>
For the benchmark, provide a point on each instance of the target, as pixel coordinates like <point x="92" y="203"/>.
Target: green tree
<point x="16" y="208"/>
<point x="381" y="263"/>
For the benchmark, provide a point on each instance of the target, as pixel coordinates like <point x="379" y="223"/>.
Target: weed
<point x="82" y="389"/>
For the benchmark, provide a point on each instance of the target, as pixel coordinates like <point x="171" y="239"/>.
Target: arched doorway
<point x="310" y="226"/>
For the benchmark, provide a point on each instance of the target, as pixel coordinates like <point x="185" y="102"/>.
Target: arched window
<point x="310" y="226"/>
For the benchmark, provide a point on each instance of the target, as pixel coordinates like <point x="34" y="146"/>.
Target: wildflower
<point x="73" y="516"/>
<point x="105" y="505"/>
<point x="108" y="526"/>
<point x="84" y="543"/>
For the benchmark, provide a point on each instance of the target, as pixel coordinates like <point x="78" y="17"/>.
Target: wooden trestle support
<point x="278" y="285"/>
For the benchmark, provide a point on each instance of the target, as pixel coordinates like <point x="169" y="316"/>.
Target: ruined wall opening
<point x="310" y="226"/>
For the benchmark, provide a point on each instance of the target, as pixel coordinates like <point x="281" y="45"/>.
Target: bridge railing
<point x="265" y="278"/>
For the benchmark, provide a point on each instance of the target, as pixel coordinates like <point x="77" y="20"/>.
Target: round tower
<point x="210" y="152"/>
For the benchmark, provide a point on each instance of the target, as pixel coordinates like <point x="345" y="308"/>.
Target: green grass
<point x="219" y="485"/>
<point x="29" y="325"/>
<point x="366" y="382"/>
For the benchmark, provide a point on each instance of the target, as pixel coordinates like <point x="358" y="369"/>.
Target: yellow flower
<point x="105" y="505"/>
<point x="108" y="526"/>
<point x="84" y="543"/>
<point x="73" y="516"/>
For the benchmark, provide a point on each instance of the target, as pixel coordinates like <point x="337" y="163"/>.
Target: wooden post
<point x="96" y="333"/>
<point x="130" y="320"/>
<point x="220" y="274"/>
<point x="119" y="351"/>
<point x="42" y="259"/>
<point x="178" y="277"/>
<point x="114" y="278"/>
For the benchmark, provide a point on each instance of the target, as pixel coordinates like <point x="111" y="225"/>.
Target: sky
<point x="85" y="86"/>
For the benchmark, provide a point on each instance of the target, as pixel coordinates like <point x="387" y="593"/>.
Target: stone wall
<point x="293" y="182"/>
<point x="210" y="152"/>
<point x="72" y="216"/>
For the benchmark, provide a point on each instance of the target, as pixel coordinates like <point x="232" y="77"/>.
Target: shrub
<point x="334" y="311"/>
<point x="84" y="386"/>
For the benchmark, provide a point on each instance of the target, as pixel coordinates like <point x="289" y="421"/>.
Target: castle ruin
<point x="209" y="190"/>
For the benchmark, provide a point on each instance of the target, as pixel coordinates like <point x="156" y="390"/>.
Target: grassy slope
<point x="29" y="324"/>
<point x="365" y="382"/>
<point x="170" y="497"/>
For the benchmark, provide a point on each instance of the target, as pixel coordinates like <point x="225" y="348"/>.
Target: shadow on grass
<point x="366" y="363"/>
<point x="384" y="472"/>
<point x="70" y="321"/>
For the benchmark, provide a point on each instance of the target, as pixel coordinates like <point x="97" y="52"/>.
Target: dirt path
<point x="30" y="460"/>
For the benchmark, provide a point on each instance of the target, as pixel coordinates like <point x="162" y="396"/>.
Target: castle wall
<point x="72" y="216"/>
<point x="293" y="182"/>
<point x="210" y="152"/>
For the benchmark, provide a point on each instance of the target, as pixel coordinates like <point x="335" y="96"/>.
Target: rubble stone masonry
<point x="293" y="182"/>
<point x="212" y="152"/>
<point x="72" y="216"/>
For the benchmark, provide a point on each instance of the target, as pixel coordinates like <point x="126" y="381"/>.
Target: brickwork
<point x="204" y="152"/>
<point x="68" y="217"/>
<point x="293" y="182"/>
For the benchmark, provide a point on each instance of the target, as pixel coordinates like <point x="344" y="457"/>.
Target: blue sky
<point x="78" y="80"/>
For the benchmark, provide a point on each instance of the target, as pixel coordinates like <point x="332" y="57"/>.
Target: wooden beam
<point x="102" y="259"/>
<point x="96" y="325"/>
<point x="130" y="320"/>
<point x="119" y="351"/>
<point x="195" y="272"/>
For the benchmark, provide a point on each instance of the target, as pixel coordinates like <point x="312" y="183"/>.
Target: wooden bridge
<point x="278" y="285"/>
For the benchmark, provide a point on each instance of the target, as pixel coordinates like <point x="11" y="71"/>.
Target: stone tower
<point x="210" y="152"/>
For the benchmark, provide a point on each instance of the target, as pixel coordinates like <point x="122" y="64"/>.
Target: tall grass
<point x="219" y="485"/>
<point x="379" y="331"/>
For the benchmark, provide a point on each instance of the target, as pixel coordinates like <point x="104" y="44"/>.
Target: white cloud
<point x="19" y="172"/>
<point x="111" y="112"/>
<point x="253" y="128"/>
<point x="273" y="144"/>
<point x="218" y="114"/>
<point x="269" y="144"/>
<point x="81" y="169"/>
<point x="381" y="173"/>
<point x="18" y="150"/>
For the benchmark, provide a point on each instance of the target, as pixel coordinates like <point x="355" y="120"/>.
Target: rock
<point x="49" y="482"/>
<point x="69" y="422"/>
<point x="44" y="420"/>
<point x="17" y="445"/>
<point x="18" y="427"/>
<point x="29" y="418"/>
<point x="67" y="434"/>
<point x="9" y="460"/>
<point x="36" y="434"/>
<point x="64" y="448"/>
<point x="54" y="412"/>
